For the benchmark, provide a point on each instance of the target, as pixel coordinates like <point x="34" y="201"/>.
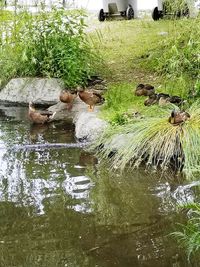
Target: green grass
<point x="136" y="52"/>
<point x="154" y="141"/>
<point x="188" y="235"/>
<point x="124" y="45"/>
<point x="121" y="105"/>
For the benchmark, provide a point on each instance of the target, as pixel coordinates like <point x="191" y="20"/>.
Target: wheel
<point x="130" y="12"/>
<point x="155" y="14"/>
<point x="101" y="16"/>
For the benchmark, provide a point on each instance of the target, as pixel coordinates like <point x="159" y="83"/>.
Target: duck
<point x="177" y="100"/>
<point x="160" y="99"/>
<point x="93" y="80"/>
<point x="39" y="117"/>
<point x="68" y="97"/>
<point x="91" y="98"/>
<point x="178" y="117"/>
<point x="163" y="99"/>
<point x="151" y="100"/>
<point x="144" y="89"/>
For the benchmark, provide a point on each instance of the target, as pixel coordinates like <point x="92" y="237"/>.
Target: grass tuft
<point x="155" y="142"/>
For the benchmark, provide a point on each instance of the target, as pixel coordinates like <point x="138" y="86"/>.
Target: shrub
<point x="48" y="44"/>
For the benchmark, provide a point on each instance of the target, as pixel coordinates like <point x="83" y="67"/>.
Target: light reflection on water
<point x="58" y="207"/>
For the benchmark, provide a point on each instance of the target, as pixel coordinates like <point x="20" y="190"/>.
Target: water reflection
<point x="59" y="207"/>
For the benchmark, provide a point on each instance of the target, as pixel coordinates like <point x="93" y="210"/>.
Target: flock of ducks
<point x="91" y="98"/>
<point x="177" y="117"/>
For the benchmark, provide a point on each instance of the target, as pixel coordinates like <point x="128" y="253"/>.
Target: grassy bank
<point x="164" y="54"/>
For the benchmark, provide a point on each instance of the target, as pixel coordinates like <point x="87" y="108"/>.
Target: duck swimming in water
<point x="91" y="98"/>
<point x="39" y="117"/>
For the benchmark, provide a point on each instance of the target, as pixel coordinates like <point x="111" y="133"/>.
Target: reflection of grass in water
<point x="189" y="234"/>
<point x="155" y="141"/>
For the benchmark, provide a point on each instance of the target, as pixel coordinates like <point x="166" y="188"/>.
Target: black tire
<point x="186" y="11"/>
<point x="101" y="16"/>
<point x="155" y="14"/>
<point x="130" y="12"/>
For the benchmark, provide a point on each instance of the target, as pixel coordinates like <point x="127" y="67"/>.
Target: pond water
<point x="61" y="207"/>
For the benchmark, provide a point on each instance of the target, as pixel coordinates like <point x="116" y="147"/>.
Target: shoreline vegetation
<point x="164" y="54"/>
<point x="125" y="53"/>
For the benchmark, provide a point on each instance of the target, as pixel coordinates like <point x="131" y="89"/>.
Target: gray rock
<point x="63" y="113"/>
<point x="39" y="90"/>
<point x="46" y="91"/>
<point x="88" y="126"/>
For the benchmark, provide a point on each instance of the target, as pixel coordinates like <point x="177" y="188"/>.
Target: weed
<point x="47" y="45"/>
<point x="189" y="235"/>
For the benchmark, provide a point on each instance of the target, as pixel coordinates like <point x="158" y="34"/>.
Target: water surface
<point x="61" y="207"/>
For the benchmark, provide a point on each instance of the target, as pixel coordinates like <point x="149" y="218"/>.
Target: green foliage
<point x="156" y="142"/>
<point x="177" y="56"/>
<point x="176" y="7"/>
<point x="182" y="52"/>
<point x="189" y="234"/>
<point x="48" y="44"/>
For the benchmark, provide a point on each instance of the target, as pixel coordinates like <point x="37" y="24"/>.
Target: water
<point x="60" y="207"/>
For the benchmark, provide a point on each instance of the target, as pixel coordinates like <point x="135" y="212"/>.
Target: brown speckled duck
<point x="178" y="117"/>
<point x="91" y="98"/>
<point x="144" y="90"/>
<point x="68" y="97"/>
<point x="39" y="117"/>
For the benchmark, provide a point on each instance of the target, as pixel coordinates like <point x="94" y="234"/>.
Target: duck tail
<point x="52" y="116"/>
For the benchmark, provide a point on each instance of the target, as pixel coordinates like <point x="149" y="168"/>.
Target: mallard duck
<point x="91" y="98"/>
<point x="94" y="79"/>
<point x="68" y="98"/>
<point x="176" y="100"/>
<point x="39" y="117"/>
<point x="151" y="100"/>
<point x="156" y="98"/>
<point x="144" y="89"/>
<point x="163" y="99"/>
<point x="178" y="117"/>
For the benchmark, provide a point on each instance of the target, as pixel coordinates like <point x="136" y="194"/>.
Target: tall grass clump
<point x="188" y="234"/>
<point x="155" y="142"/>
<point x="49" y="44"/>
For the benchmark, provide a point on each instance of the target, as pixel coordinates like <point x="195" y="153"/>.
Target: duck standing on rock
<point x="39" y="117"/>
<point x="68" y="97"/>
<point x="144" y="90"/>
<point x="178" y="117"/>
<point x="91" y="98"/>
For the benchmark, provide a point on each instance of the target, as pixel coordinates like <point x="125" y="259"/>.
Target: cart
<point x="112" y="8"/>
